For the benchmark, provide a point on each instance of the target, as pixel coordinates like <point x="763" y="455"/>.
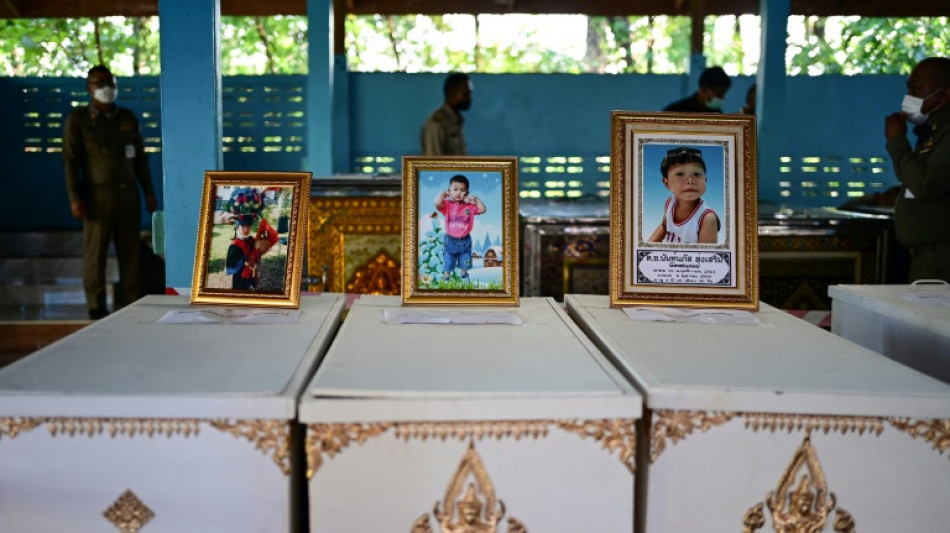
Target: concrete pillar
<point x="770" y="96"/>
<point x="191" y="123"/>
<point x="320" y="88"/>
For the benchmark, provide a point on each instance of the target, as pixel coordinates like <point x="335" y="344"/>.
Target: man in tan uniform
<point x="442" y="132"/>
<point x="105" y="163"/>
<point x="920" y="216"/>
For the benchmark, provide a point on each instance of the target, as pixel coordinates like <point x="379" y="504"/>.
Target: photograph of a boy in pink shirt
<point x="460" y="233"/>
<point x="459" y="209"/>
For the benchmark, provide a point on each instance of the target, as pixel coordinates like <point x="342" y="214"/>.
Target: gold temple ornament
<point x="801" y="502"/>
<point x="128" y="513"/>
<point x="346" y="236"/>
<point x="469" y="504"/>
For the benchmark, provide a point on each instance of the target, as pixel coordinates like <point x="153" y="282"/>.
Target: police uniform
<point x="105" y="164"/>
<point x="922" y="213"/>
<point x="442" y="133"/>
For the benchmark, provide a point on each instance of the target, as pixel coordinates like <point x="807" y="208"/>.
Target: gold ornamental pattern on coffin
<point x="469" y="504"/>
<point x="615" y="435"/>
<point x="271" y="437"/>
<point x="801" y="502"/>
<point x="671" y="427"/>
<point x="128" y="513"/>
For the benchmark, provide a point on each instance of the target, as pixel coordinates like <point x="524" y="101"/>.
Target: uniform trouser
<point x="112" y="214"/>
<point x="930" y="262"/>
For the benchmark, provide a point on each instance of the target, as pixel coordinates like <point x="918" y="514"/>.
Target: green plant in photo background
<point x="431" y="262"/>
<point x="456" y="283"/>
<point x="430" y="256"/>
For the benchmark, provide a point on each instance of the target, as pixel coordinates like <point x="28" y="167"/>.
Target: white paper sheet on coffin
<point x="414" y="316"/>
<point x="691" y="316"/>
<point x="230" y="315"/>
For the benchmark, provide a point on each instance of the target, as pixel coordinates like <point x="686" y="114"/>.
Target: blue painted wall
<point x="543" y="118"/>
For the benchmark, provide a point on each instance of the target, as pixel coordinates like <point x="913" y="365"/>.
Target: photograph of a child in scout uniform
<point x="246" y="250"/>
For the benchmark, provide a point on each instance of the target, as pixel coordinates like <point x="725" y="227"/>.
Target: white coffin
<point x="400" y="417"/>
<point x="911" y="327"/>
<point x="734" y="413"/>
<point x="194" y="421"/>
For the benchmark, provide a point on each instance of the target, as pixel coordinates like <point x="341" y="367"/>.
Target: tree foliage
<point x="486" y="43"/>
<point x="855" y="45"/>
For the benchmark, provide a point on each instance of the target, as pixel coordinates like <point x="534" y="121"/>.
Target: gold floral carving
<point x="469" y="504"/>
<point x="333" y="219"/>
<point x="128" y="513"/>
<point x="330" y="439"/>
<point x="614" y="434"/>
<point x="809" y="423"/>
<point x="515" y="429"/>
<point x="129" y="427"/>
<point x="801" y="503"/>
<point x="674" y="426"/>
<point x="268" y="436"/>
<point x="934" y="431"/>
<point x="11" y="427"/>
<point x="380" y="275"/>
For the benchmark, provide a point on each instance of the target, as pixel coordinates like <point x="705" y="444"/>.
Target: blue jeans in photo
<point x="457" y="252"/>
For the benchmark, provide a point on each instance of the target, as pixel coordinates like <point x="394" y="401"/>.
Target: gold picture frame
<point x="484" y="269"/>
<point x="688" y="238"/>
<point x="265" y="269"/>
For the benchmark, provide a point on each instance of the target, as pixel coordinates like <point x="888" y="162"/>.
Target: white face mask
<point x="106" y="94"/>
<point x="911" y="107"/>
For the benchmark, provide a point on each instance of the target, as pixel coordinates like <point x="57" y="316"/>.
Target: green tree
<point x="264" y="45"/>
<point x="892" y="46"/>
<point x="70" y="46"/>
<point x="866" y="45"/>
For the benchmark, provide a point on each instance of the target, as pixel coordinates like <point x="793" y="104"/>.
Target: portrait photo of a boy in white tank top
<point x="687" y="218"/>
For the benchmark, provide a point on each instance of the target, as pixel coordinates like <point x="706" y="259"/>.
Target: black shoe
<point x="96" y="314"/>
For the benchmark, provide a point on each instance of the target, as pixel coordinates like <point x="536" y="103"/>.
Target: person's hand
<point x="151" y="204"/>
<point x="262" y="246"/>
<point x="78" y="209"/>
<point x="471" y="199"/>
<point x="895" y="124"/>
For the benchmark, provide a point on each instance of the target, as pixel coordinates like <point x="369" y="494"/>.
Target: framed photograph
<point x="460" y="230"/>
<point x="683" y="221"/>
<point x="251" y="239"/>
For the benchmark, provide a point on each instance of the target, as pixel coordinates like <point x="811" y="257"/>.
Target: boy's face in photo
<point x="244" y="230"/>
<point x="687" y="181"/>
<point x="457" y="191"/>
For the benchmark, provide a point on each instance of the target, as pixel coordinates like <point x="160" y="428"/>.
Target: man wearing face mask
<point x="713" y="85"/>
<point x="442" y="130"/>
<point x="105" y="164"/>
<point x="920" y="216"/>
